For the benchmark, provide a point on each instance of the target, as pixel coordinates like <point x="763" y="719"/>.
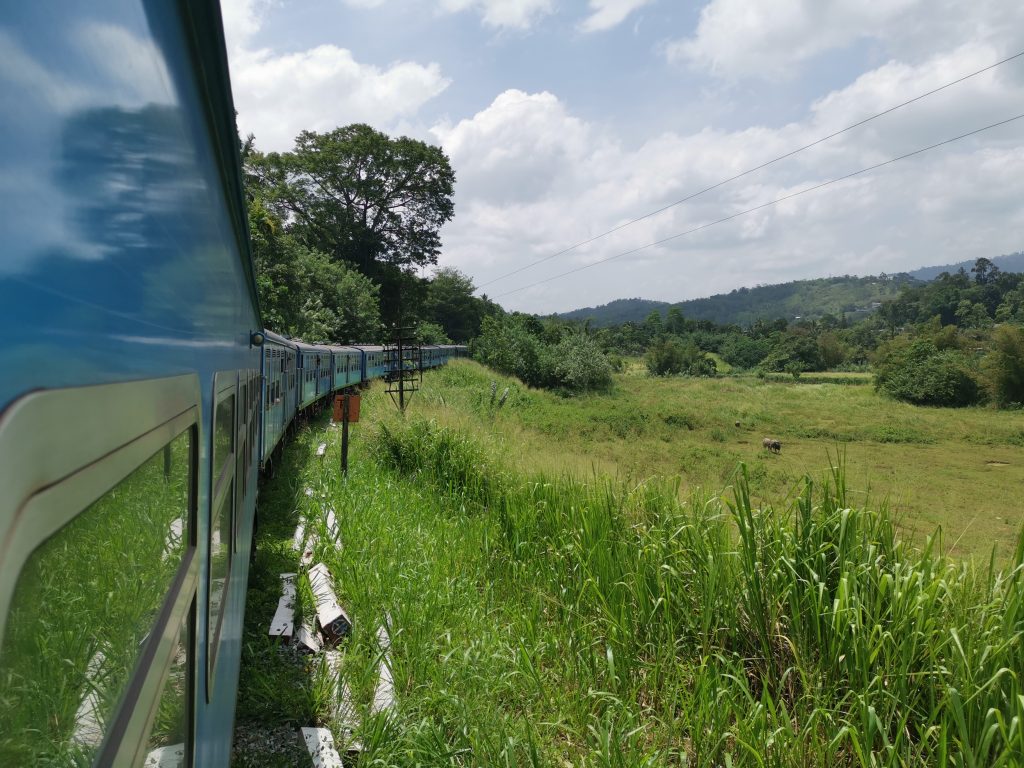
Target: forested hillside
<point x="799" y="299"/>
<point x="808" y="299"/>
<point x="1011" y="262"/>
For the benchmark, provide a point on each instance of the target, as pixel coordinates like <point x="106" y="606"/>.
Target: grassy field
<point x="961" y="469"/>
<point x="542" y="620"/>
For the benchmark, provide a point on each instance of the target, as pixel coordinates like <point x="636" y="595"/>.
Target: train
<point x="140" y="394"/>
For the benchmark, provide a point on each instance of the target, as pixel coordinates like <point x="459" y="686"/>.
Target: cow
<point x="772" y="445"/>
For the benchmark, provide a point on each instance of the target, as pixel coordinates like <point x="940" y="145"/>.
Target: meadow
<point x="960" y="469"/>
<point x="550" y="602"/>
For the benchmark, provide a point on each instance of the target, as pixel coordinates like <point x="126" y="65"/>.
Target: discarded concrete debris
<point x="334" y="622"/>
<point x="320" y="745"/>
<point x="283" y="623"/>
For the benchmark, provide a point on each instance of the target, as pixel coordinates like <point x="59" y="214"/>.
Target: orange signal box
<point x="353" y="408"/>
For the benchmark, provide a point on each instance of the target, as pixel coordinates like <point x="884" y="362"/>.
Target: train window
<point x="83" y="607"/>
<point x="170" y="732"/>
<point x="223" y="432"/>
<point x="220" y="567"/>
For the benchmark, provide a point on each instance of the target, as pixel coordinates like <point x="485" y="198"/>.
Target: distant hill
<point x="617" y="312"/>
<point x="800" y="298"/>
<point x="1011" y="262"/>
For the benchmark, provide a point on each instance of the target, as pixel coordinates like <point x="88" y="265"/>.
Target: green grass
<point x="958" y="469"/>
<point x="541" y="619"/>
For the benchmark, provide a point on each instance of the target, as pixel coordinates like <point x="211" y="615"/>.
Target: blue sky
<point x="566" y="118"/>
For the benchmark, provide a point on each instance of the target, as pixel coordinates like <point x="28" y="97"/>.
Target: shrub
<point x="513" y="345"/>
<point x="669" y="356"/>
<point x="506" y="345"/>
<point x="744" y="351"/>
<point x="580" y="365"/>
<point x="918" y="372"/>
<point x="665" y="358"/>
<point x="1004" y="366"/>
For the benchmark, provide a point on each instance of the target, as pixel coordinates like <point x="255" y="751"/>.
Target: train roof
<point x="369" y="347"/>
<point x="274" y="338"/>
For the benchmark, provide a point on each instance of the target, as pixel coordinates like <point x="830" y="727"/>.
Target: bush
<point x="744" y="351"/>
<point x="669" y="356"/>
<point x="916" y="371"/>
<point x="1004" y="366"/>
<point x="506" y="345"/>
<point x="580" y="365"/>
<point x="513" y="345"/>
<point x="665" y="358"/>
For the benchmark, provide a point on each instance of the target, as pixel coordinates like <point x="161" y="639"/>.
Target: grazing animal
<point x="772" y="445"/>
<point x="767" y="443"/>
<point x="776" y="446"/>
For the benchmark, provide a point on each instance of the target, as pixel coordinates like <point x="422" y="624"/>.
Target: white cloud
<point x="324" y="87"/>
<point x="750" y="38"/>
<point x="533" y="179"/>
<point x="277" y="95"/>
<point x="514" y="14"/>
<point x="242" y="20"/>
<point x="605" y="14"/>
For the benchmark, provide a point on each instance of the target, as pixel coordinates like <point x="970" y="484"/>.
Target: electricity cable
<point x="776" y="201"/>
<point x="754" y="169"/>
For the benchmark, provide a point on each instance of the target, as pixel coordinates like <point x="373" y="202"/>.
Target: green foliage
<point x="541" y="355"/>
<point x="801" y="298"/>
<point x="1004" y="366"/>
<point x="366" y="200"/>
<point x="306" y="295"/>
<point x="669" y="356"/>
<point x="450" y="303"/>
<point x="431" y="333"/>
<point x="362" y="196"/>
<point x="580" y="365"/>
<point x="831" y="350"/>
<point x="507" y="345"/>
<point x="917" y="371"/>
<point x="744" y="351"/>
<point x="793" y="351"/>
<point x="666" y="357"/>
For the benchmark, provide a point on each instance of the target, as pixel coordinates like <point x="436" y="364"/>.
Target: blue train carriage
<point x="280" y="391"/>
<point x="128" y="469"/>
<point x="430" y="356"/>
<point x="310" y="361"/>
<point x="375" y="363"/>
<point x="347" y="363"/>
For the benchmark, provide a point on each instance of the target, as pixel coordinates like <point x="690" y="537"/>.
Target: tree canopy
<point x="363" y="197"/>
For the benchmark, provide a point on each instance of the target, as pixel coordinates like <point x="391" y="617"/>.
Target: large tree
<point x="363" y="197"/>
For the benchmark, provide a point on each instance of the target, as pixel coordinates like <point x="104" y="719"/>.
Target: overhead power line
<point x="754" y="169"/>
<point x="770" y="203"/>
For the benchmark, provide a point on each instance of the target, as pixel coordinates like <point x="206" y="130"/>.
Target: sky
<point x="564" y="119"/>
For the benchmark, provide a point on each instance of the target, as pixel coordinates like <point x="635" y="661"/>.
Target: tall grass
<point x="643" y="631"/>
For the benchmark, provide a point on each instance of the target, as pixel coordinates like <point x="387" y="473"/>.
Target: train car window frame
<point x="51" y="483"/>
<point x="222" y="481"/>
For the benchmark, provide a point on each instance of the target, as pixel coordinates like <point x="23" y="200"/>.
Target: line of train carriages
<point x="297" y="376"/>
